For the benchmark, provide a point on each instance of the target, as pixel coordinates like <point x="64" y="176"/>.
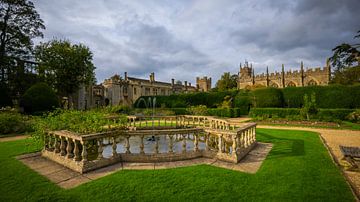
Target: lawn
<point x="298" y="168"/>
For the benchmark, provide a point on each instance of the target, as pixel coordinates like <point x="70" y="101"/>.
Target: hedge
<point x="323" y="114"/>
<point x="221" y="112"/>
<point x="327" y="97"/>
<point x="274" y="112"/>
<point x="268" y="97"/>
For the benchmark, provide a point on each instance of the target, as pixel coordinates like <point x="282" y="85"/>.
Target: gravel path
<point x="13" y="138"/>
<point x="332" y="139"/>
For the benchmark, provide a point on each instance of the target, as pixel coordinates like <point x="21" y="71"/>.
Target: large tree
<point x="226" y="82"/>
<point x="346" y="62"/>
<point x="19" y="24"/>
<point x="65" y="66"/>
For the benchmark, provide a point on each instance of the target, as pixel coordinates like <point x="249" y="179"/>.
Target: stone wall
<point x="303" y="77"/>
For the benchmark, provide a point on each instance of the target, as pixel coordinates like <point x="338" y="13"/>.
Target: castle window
<point x="134" y="91"/>
<point x="291" y="84"/>
<point x="312" y="83"/>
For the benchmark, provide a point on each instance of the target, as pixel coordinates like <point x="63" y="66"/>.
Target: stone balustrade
<point x="168" y="138"/>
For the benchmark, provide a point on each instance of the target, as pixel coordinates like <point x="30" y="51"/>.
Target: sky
<point x="188" y="39"/>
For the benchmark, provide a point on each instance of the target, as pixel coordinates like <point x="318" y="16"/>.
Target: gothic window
<point x="312" y="83"/>
<point x="125" y="89"/>
<point x="274" y="85"/>
<point x="291" y="84"/>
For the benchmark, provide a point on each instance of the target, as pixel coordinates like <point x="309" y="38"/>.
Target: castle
<point x="309" y="77"/>
<point x="117" y="90"/>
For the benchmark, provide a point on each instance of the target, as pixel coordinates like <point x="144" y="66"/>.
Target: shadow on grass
<point x="284" y="147"/>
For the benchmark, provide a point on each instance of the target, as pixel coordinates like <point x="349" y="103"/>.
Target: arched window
<point x="274" y="85"/>
<point x="291" y="84"/>
<point x="312" y="83"/>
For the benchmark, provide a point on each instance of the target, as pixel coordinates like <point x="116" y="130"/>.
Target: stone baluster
<point x="196" y="142"/>
<point x="62" y="146"/>
<point x="171" y="144"/>
<point x="207" y="136"/>
<point x="140" y="120"/>
<point x="234" y="145"/>
<point x="176" y="121"/>
<point x="56" y="144"/>
<point x="69" y="148"/>
<point x="127" y="145"/>
<point x="254" y="133"/>
<point x="156" y="145"/>
<point x="100" y="148"/>
<point x="159" y="122"/>
<point x="142" y="144"/>
<point x="220" y="144"/>
<point x="50" y="146"/>
<point x="76" y="151"/>
<point x="84" y="153"/>
<point x="114" y="146"/>
<point x="165" y="121"/>
<point x="184" y="143"/>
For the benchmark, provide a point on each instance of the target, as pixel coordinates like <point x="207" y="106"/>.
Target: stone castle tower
<point x="308" y="77"/>
<point x="203" y="84"/>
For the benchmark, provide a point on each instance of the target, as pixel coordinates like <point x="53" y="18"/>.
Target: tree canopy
<point x="65" y="66"/>
<point x="226" y="82"/>
<point x="346" y="60"/>
<point x="19" y="24"/>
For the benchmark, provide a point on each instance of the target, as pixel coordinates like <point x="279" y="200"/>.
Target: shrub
<point x="39" y="98"/>
<point x="198" y="110"/>
<point x="268" y="97"/>
<point x="13" y="122"/>
<point x="309" y="109"/>
<point x="354" y="116"/>
<point x="121" y="109"/>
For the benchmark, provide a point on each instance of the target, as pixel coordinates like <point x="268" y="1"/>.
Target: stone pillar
<point x="142" y="144"/>
<point x="69" y="149"/>
<point x="196" y="142"/>
<point x="76" y="151"/>
<point x="114" y="146"/>
<point x="171" y="144"/>
<point x="220" y="144"/>
<point x="100" y="148"/>
<point x="127" y="145"/>
<point x="84" y="153"/>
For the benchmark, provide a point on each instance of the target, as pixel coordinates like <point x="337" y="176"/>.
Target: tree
<point x="226" y="82"/>
<point x="344" y="58"/>
<point x="65" y="66"/>
<point x="19" y="24"/>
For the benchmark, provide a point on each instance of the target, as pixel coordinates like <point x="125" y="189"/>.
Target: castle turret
<point x="282" y="76"/>
<point x="302" y="73"/>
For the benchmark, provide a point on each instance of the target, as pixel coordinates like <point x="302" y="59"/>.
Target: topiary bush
<point x="39" y="98"/>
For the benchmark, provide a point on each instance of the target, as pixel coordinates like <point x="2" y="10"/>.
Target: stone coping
<point x="67" y="178"/>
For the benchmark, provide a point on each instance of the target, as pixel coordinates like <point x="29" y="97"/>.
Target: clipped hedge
<point x="221" y="112"/>
<point x="268" y="97"/>
<point x="209" y="99"/>
<point x="274" y="112"/>
<point x="334" y="114"/>
<point x="333" y="96"/>
<point x="323" y="114"/>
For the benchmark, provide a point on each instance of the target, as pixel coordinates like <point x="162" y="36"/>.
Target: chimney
<point x="189" y="84"/>
<point x="153" y="76"/>
<point x="172" y="82"/>
<point x="185" y="84"/>
<point x="125" y="76"/>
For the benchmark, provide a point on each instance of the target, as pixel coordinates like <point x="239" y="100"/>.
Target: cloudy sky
<point x="186" y="39"/>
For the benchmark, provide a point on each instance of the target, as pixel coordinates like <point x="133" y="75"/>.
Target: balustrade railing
<point x="170" y="138"/>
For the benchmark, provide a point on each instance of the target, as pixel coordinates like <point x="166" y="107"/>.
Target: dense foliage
<point x="5" y="99"/>
<point x="226" y="82"/>
<point x="268" y="97"/>
<point x="65" y="66"/>
<point x="39" y="98"/>
<point x="295" y="114"/>
<point x="13" y="122"/>
<point x="82" y="122"/>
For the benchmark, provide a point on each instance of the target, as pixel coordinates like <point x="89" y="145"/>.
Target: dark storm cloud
<point x="185" y="39"/>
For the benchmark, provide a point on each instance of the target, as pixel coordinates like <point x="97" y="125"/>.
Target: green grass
<point x="297" y="169"/>
<point x="344" y="125"/>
